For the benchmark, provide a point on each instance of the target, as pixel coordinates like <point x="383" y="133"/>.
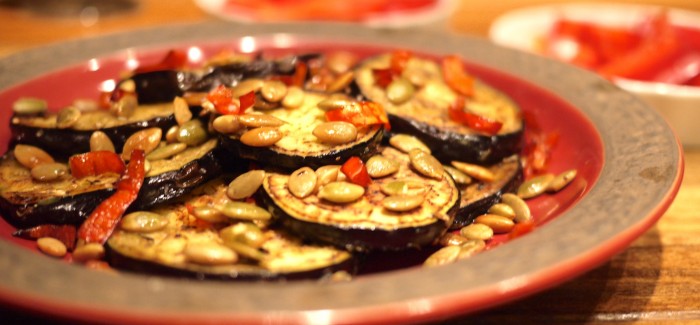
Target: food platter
<point x="629" y="161"/>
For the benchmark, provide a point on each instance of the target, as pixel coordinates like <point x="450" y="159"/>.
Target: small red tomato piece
<point x="356" y="171"/>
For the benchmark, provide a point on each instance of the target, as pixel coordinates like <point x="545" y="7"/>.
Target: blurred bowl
<point x="524" y="28"/>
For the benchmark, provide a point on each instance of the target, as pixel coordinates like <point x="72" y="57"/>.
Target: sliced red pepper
<point x="222" y="98"/>
<point x="247" y="101"/>
<point x="299" y="77"/>
<point x="175" y="59"/>
<point x="360" y="114"/>
<point x="475" y="122"/>
<point x="382" y="77"/>
<point x="104" y="219"/>
<point x="64" y="233"/>
<point x="94" y="163"/>
<point x="456" y="76"/>
<point x="356" y="171"/>
<point x="399" y="61"/>
<point x="521" y="229"/>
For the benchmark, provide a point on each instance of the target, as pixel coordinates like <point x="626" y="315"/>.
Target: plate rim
<point x="413" y="309"/>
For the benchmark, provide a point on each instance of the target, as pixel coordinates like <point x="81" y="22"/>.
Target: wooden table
<point x="656" y="279"/>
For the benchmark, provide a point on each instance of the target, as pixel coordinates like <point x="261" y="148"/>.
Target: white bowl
<point x="680" y="105"/>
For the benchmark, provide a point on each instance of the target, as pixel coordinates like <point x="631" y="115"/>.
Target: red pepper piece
<point x="521" y="229"/>
<point x="175" y="59"/>
<point x="95" y="163"/>
<point x="383" y="77"/>
<point x="399" y="61"/>
<point x="456" y="76"/>
<point x="299" y="77"/>
<point x="247" y="101"/>
<point x="360" y="114"/>
<point x="222" y="98"/>
<point x="104" y="219"/>
<point x="65" y="233"/>
<point x="356" y="171"/>
<point x="471" y="120"/>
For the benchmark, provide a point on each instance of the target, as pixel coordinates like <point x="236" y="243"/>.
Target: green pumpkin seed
<point x="337" y="132"/>
<point x="452" y="239"/>
<point x="534" y="186"/>
<point x="561" y="180"/>
<point x="49" y="172"/>
<point x="470" y="248"/>
<point x="143" y="222"/>
<point x="246" y="86"/>
<point x="167" y="151"/>
<point x="302" y="182"/>
<point x="125" y="106"/>
<point x="499" y="224"/>
<point x="406" y="143"/>
<point x="458" y="176"/>
<point x="88" y="252"/>
<point x="404" y="187"/>
<point x="246" y="233"/>
<point x="502" y="209"/>
<point x="128" y="86"/>
<point x="399" y="91"/>
<point x="210" y="254"/>
<point x="51" y="246"/>
<point x="477" y="231"/>
<point x="227" y="124"/>
<point x="443" y="256"/>
<point x="261" y="137"/>
<point x="294" y="98"/>
<point x="245" y="250"/>
<point x="192" y="133"/>
<point x="245" y="185"/>
<point x="146" y="140"/>
<point x="258" y="120"/>
<point x="341" y="192"/>
<point x="29" y="106"/>
<point x="326" y="174"/>
<point x="273" y="90"/>
<point x="341" y="61"/>
<point x="522" y="211"/>
<point x="209" y="214"/>
<point x="181" y="110"/>
<point x="402" y="203"/>
<point x="380" y="166"/>
<point x="171" y="134"/>
<point x="426" y="164"/>
<point x="335" y="102"/>
<point x="243" y="211"/>
<point x="99" y="141"/>
<point x="31" y="156"/>
<point x="481" y="173"/>
<point x="67" y="117"/>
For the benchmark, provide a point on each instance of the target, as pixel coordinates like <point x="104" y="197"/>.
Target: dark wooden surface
<point x="655" y="280"/>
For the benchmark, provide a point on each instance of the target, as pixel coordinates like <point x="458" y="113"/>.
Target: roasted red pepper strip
<point x="175" y="59"/>
<point x="222" y="98"/>
<point x="104" y="219"/>
<point x="521" y="229"/>
<point x="247" y="101"/>
<point x="456" y="76"/>
<point x="399" y="61"/>
<point x="95" y="163"/>
<point x="360" y="114"/>
<point x="356" y="171"/>
<point x="65" y="233"/>
<point x="471" y="120"/>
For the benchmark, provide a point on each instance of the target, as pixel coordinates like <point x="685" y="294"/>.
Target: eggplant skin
<point x="267" y="155"/>
<point x="67" y="210"/>
<point x="449" y="146"/>
<point x="478" y="198"/>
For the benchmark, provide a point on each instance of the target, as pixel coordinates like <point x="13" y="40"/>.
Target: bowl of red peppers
<point x="651" y="51"/>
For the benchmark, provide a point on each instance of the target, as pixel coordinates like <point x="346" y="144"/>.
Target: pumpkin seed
<point x="146" y="140"/>
<point x="49" y="172"/>
<point x="243" y="232"/>
<point x="406" y="143"/>
<point x="335" y="102"/>
<point x="246" y="86"/>
<point x="245" y="185"/>
<point x="194" y="98"/>
<point x="171" y="134"/>
<point x="404" y="187"/>
<point x="273" y="90"/>
<point x="443" y="256"/>
<point x="458" y="176"/>
<point x="143" y="222"/>
<point x="481" y="173"/>
<point x="341" y="82"/>
<point x="245" y="250"/>
<point x="127" y="86"/>
<point x="125" y="106"/>
<point x="67" y="117"/>
<point x="399" y="91"/>
<point x="209" y="214"/>
<point x="341" y="192"/>
<point x="426" y="164"/>
<point x="522" y="211"/>
<point x="99" y="141"/>
<point x="561" y="180"/>
<point x="85" y="104"/>
<point x="226" y="124"/>
<point x="326" y="174"/>
<point x="471" y="247"/>
<point x="341" y="61"/>
<point x="181" y="110"/>
<point x="534" y="186"/>
<point x="243" y="211"/>
<point x="477" y="231"/>
<point x="51" y="246"/>
<point x="302" y="182"/>
<point x="192" y="133"/>
<point x="29" y="106"/>
<point x="337" y="132"/>
<point x="380" y="166"/>
<point x="147" y="166"/>
<point x="258" y="120"/>
<point x="31" y="156"/>
<point x="210" y="254"/>
<point x="167" y="151"/>
<point x="294" y="98"/>
<point x="502" y="209"/>
<point x="402" y="203"/>
<point x="88" y="252"/>
<point x="452" y="239"/>
<point x="417" y="77"/>
<point x="261" y="137"/>
<point x="499" y="224"/>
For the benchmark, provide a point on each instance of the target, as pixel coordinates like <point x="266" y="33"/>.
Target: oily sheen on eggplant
<point x="279" y="257"/>
<point x="299" y="147"/>
<point x="364" y="225"/>
<point x="25" y="202"/>
<point x="425" y="113"/>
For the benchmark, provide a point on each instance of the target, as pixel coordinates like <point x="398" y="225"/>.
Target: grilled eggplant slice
<point x="365" y="225"/>
<point x="25" y="202"/>
<point x="41" y="131"/>
<point x="425" y="114"/>
<point x="299" y="147"/>
<point x="277" y="256"/>
<point x="478" y="197"/>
